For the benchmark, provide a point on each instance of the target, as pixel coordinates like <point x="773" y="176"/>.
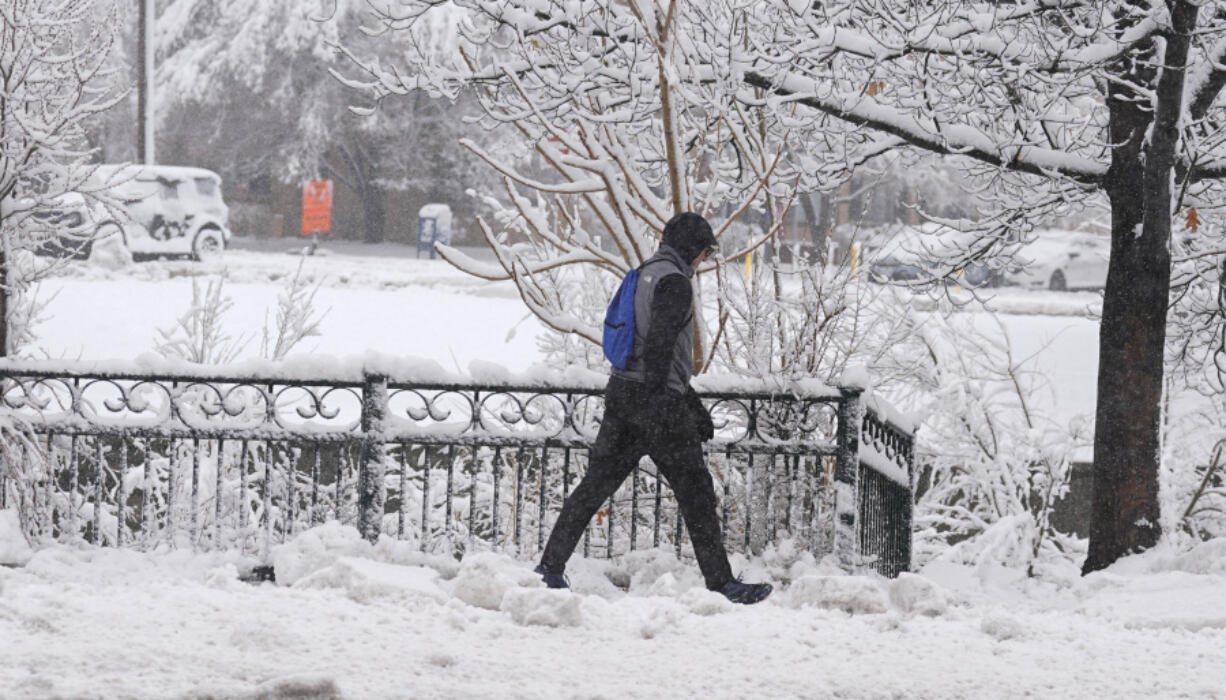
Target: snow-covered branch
<point x="951" y="139"/>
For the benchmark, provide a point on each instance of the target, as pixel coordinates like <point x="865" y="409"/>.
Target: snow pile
<point x="542" y="606"/>
<point x="223" y="577"/>
<point x="654" y="572"/>
<point x="316" y="549"/>
<point x="324" y="546"/>
<point x="365" y="581"/>
<point x="1207" y="558"/>
<point x="485" y="579"/>
<point x="1001" y="626"/>
<point x="851" y="594"/>
<point x="914" y="594"/>
<point x="1204" y="558"/>
<point x="700" y="601"/>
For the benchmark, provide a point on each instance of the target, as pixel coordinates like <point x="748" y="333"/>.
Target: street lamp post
<point x="144" y="120"/>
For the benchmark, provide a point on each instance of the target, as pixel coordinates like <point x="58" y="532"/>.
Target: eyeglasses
<point x="710" y="251"/>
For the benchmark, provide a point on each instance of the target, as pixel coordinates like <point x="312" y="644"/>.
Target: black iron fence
<point x="182" y="459"/>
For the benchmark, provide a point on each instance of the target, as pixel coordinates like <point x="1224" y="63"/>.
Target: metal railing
<point x="208" y="460"/>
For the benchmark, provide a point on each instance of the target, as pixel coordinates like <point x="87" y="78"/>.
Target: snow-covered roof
<point x="124" y="171"/>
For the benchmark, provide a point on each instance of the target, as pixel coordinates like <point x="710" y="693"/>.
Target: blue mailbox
<point x="433" y="226"/>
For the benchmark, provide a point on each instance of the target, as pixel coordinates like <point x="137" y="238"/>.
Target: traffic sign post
<point x="316" y="210"/>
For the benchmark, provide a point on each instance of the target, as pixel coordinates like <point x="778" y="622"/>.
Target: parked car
<point x="916" y="254"/>
<point x="65" y="228"/>
<point x="1061" y="260"/>
<point x="167" y="210"/>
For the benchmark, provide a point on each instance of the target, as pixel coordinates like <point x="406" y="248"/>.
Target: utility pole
<point x="144" y="79"/>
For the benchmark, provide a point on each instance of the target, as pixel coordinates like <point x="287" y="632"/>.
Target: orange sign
<point x="316" y="207"/>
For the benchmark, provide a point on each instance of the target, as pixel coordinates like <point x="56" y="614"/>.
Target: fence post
<point x="908" y="513"/>
<point x="847" y="464"/>
<point x="372" y="468"/>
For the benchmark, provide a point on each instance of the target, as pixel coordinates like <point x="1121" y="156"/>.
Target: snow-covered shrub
<point x="993" y="465"/>
<point x="1194" y="469"/>
<point x="26" y="306"/>
<point x="296" y="319"/>
<point x="199" y="335"/>
<point x="1205" y="514"/>
<point x="1193" y="478"/>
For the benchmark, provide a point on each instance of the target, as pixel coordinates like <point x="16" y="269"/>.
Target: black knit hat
<point x="689" y="234"/>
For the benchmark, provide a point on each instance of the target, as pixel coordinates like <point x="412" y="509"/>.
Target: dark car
<point x="914" y="255"/>
<point x="63" y="229"/>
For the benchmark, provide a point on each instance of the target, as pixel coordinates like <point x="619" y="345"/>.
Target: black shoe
<point x="551" y="580"/>
<point x="745" y="593"/>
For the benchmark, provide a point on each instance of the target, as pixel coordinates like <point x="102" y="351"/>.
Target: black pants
<point x="630" y="430"/>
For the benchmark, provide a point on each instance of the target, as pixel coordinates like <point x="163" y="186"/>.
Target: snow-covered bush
<point x="1194" y="449"/>
<point x="27" y="306"/>
<point x="993" y="466"/>
<point x="199" y="335"/>
<point x="1194" y="469"/>
<point x="296" y="319"/>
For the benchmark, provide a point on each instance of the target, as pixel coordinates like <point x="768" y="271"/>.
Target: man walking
<point x="651" y="410"/>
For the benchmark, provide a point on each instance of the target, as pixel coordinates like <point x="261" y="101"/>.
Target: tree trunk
<point x="4" y="302"/>
<point x="373" y="213"/>
<point x="1132" y="339"/>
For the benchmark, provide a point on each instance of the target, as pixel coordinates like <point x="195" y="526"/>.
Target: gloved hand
<point x="703" y="424"/>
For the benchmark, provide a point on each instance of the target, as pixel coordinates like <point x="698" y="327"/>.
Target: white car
<point x="165" y="210"/>
<point x="1061" y="260"/>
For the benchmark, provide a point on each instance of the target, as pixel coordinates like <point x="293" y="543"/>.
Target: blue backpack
<point x="618" y="341"/>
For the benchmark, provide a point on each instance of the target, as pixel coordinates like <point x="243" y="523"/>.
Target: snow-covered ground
<point x="346" y="619"/>
<point x="381" y="298"/>
<point x="374" y="301"/>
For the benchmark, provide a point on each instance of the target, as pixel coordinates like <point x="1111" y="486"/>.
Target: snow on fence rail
<point x="119" y="455"/>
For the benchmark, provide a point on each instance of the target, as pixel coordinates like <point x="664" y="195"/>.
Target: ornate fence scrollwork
<point x="141" y="460"/>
